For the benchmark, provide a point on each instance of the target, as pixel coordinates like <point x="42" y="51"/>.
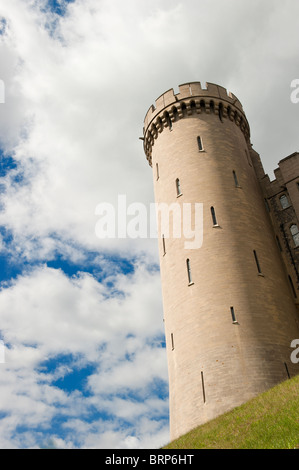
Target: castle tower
<point x="229" y="311"/>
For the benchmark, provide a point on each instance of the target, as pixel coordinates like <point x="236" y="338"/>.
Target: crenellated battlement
<point x="228" y="248"/>
<point x="192" y="98"/>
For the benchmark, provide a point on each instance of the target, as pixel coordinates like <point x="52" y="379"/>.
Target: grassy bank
<point x="269" y="421"/>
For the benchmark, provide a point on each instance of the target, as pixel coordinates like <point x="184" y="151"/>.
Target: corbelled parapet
<point x="192" y="98"/>
<point x="228" y="305"/>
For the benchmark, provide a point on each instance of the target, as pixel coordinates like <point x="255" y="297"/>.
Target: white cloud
<point x="137" y="373"/>
<point x="86" y="88"/>
<point x="45" y="314"/>
<point x="60" y="314"/>
<point x="77" y="90"/>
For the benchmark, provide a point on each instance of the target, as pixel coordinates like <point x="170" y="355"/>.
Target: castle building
<point x="231" y="304"/>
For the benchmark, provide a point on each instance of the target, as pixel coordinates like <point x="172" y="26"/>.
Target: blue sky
<point x="81" y="317"/>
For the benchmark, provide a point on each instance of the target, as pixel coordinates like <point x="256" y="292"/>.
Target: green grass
<point x="269" y="421"/>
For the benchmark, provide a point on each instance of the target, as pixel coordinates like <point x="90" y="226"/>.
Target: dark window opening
<point x="203" y="387"/>
<point x="199" y="143"/>
<point x="287" y="370"/>
<point x="172" y="342"/>
<point x="214" y="216"/>
<point x="189" y="271"/>
<point x="257" y="262"/>
<point x="163" y="243"/>
<point x="232" y="311"/>
<point x="178" y="187"/>
<point x="236" y="179"/>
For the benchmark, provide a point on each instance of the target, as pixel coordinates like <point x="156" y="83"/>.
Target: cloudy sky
<point x="81" y="316"/>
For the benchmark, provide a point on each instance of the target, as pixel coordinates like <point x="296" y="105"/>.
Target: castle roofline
<point x="288" y="157"/>
<point x="191" y="90"/>
<point x="192" y="98"/>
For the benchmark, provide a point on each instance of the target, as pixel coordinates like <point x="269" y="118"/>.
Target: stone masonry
<point x="230" y="305"/>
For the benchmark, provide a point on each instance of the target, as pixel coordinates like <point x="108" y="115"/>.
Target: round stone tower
<point x="229" y="311"/>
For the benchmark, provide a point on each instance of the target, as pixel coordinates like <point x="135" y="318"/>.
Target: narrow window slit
<point x="172" y="342"/>
<point x="199" y="143"/>
<point x="163" y="244"/>
<point x="214" y="219"/>
<point x="157" y="171"/>
<point x="287" y="370"/>
<point x="189" y="272"/>
<point x="203" y="387"/>
<point x="178" y="187"/>
<point x="236" y="179"/>
<point x="232" y="311"/>
<point x="257" y="263"/>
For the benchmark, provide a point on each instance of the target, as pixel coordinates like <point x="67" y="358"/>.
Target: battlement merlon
<point x="189" y="91"/>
